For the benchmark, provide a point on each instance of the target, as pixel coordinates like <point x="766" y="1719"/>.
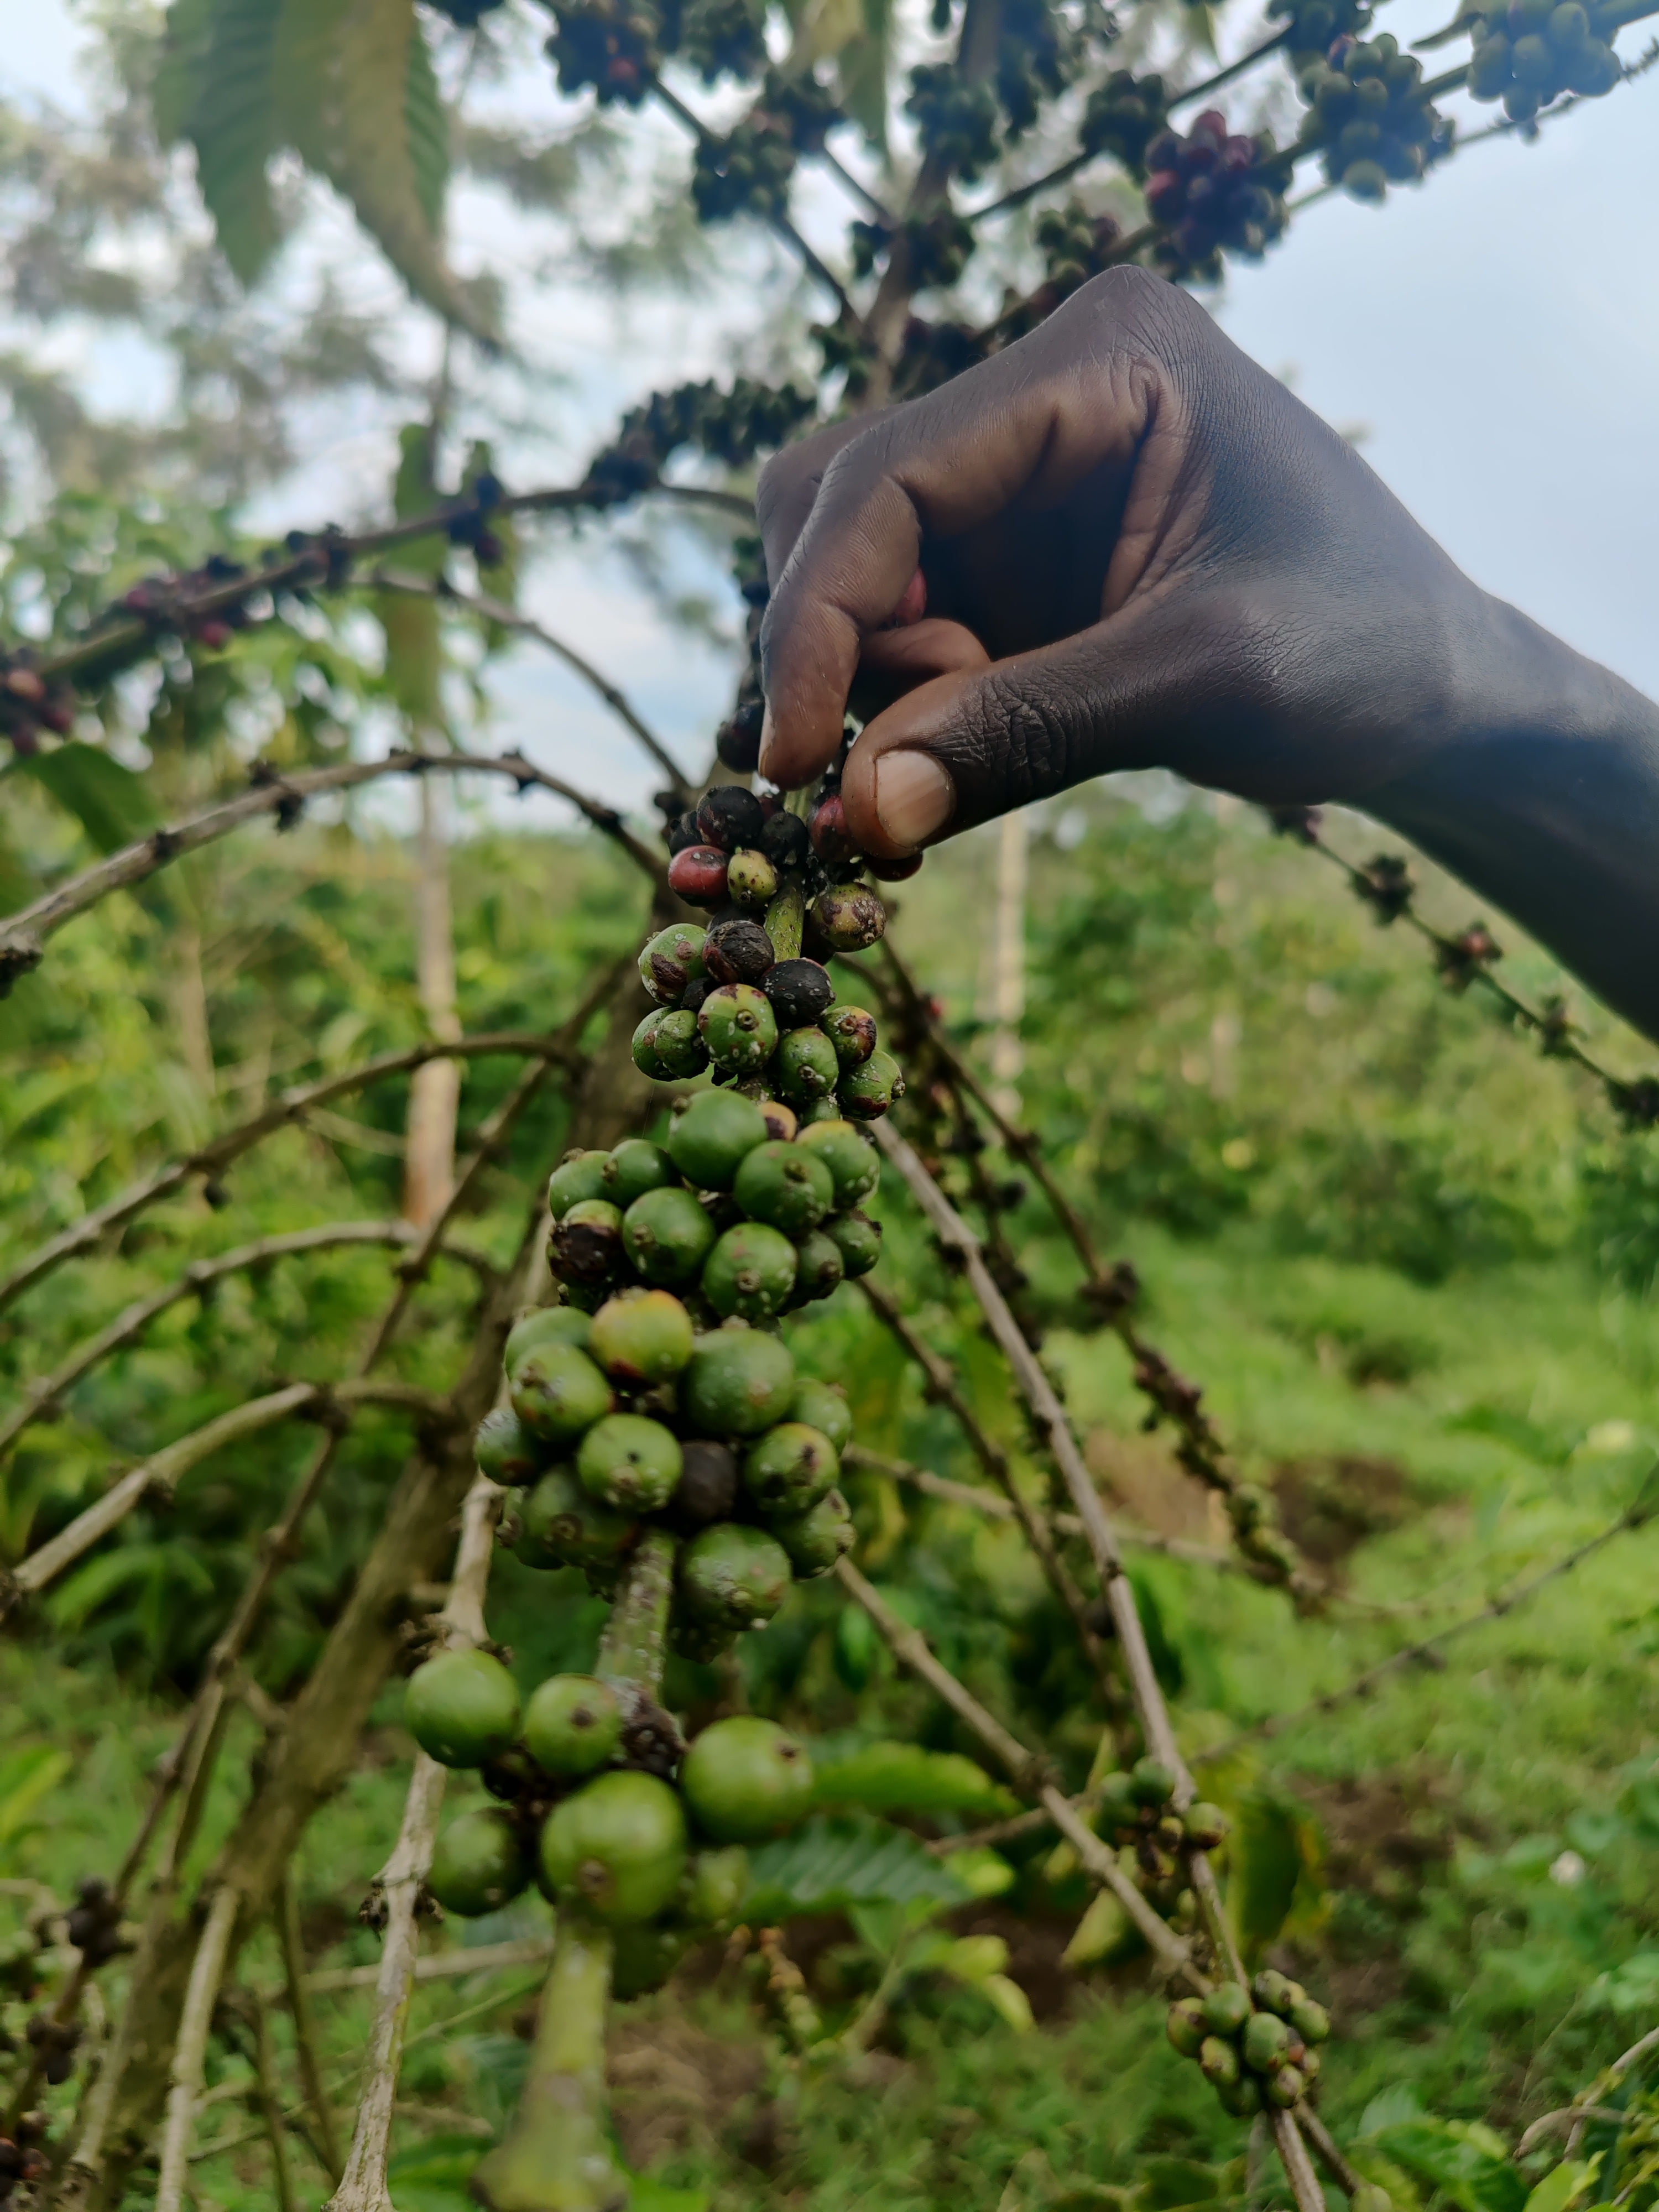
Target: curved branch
<point x="212" y="1158"/>
<point x="399" y="1885"/>
<point x="197" y="1279"/>
<point x="162" y="1470"/>
<point x="21" y="933"/>
<point x="506" y="618"/>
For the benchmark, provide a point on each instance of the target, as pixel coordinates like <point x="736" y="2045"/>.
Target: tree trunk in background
<point x="1008" y="965"/>
<point x="434" y="1093"/>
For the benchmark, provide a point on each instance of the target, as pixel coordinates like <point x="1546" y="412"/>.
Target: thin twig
<point x="1024" y="1769"/>
<point x="363" y="2185"/>
<point x="189" y="2053"/>
<point x="439" y="1966"/>
<point x="509" y="619"/>
<point x="196" y="1281"/>
<point x="1427" y="1650"/>
<point x="289" y="1110"/>
<point x="161" y="1473"/>
<point x="22" y="934"/>
<point x="270" y="2106"/>
<point x="299" y="1985"/>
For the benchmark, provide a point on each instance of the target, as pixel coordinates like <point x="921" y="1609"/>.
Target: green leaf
<point x="1556" y="2189"/>
<point x="214" y="88"/>
<point x="902" y="1777"/>
<point x="112" y="804"/>
<point x="355" y="96"/>
<point x="26" y="1776"/>
<point x="831" y="1864"/>
<point x="1105" y="1932"/>
<point x="1466" y="2171"/>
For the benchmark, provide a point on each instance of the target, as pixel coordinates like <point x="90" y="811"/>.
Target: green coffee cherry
<point x="821" y="1110"/>
<point x="716" y="1884"/>
<point x="819" y="1268"/>
<point x="668" y="1046"/>
<point x="480" y="1864"/>
<point x="557" y="1392"/>
<point x="738" y="1382"/>
<point x="645" y="1337"/>
<point x="503" y="1449"/>
<point x="790" y="1468"/>
<point x="1185" y="2026"/>
<point x="1120" y="1809"/>
<point x="750" y="1273"/>
<point x="576" y="1176"/>
<point x="785" y="1186"/>
<point x="672" y="959"/>
<point x="1309" y="2065"/>
<point x="573" y="1724"/>
<point x="616" y="1848"/>
<point x="853" y="1162"/>
<point x="807" y="1067"/>
<point x="1284" y="2088"/>
<point x="629" y="1464"/>
<point x="733" y="1577"/>
<point x="643" y="1957"/>
<point x="1266" y="2039"/>
<point x="849" y="916"/>
<point x="1310" y="2021"/>
<point x="1275" y="1992"/>
<point x="586" y="1246"/>
<point x="697" y="1640"/>
<point x="712" y="1136"/>
<point x="866" y="1092"/>
<point x="561" y="1526"/>
<point x="635" y="1167"/>
<point x="668" y="1235"/>
<point x="1150" y="1783"/>
<point x="544" y="1325"/>
<point x="815" y="1539"/>
<point x="739" y="1027"/>
<point x="751" y="878"/>
<point x="1219" y="2062"/>
<point x="857" y="1239"/>
<point x="852" y="1034"/>
<point x="1226" y="2008"/>
<point x="1206" y="1825"/>
<point x="462" y="1708"/>
<point x="823" y="1406"/>
<point x="745" y="1779"/>
<point x="1243" y="2098"/>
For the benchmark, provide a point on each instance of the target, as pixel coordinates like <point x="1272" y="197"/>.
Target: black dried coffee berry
<point x="785" y="843"/>
<point x="685" y="833"/>
<point x="730" y="817"/>
<point x="709" y="1483"/>
<point x="738" y="952"/>
<point x="737" y="742"/>
<point x="800" y="991"/>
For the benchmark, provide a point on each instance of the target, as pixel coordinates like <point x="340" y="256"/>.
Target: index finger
<point x="1021" y="426"/>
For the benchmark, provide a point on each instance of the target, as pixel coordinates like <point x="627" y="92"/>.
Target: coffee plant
<point x="629" y="1407"/>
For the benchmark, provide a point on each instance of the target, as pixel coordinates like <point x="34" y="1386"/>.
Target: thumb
<point x="974" y="743"/>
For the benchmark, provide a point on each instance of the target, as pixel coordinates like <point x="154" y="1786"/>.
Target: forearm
<point x="1546" y="801"/>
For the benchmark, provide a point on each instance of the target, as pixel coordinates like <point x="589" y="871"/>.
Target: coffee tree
<point x="626" y="1403"/>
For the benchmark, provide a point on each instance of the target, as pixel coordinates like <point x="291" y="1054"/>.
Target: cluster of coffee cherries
<point x="636" y="1830"/>
<point x="1372" y="117"/>
<point x="1528" y="53"/>
<point x="1137" y="1812"/>
<point x="772" y="1028"/>
<point x="1208" y="188"/>
<point x="1258" y="2045"/>
<point x="634" y="1421"/>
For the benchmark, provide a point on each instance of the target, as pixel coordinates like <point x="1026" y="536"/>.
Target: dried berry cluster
<point x="1214" y="191"/>
<point x="1372" y="117"/>
<point x="749" y="171"/>
<point x="1258" y="2046"/>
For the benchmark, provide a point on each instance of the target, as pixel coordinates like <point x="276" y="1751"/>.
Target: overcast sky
<point x="1496" y="333"/>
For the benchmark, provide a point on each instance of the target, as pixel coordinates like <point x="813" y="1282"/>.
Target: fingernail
<point x="767" y="735"/>
<point x="913" y="796"/>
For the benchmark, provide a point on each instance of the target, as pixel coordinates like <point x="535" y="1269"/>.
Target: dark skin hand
<point x="1121" y="544"/>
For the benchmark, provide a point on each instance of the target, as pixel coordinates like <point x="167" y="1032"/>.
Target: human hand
<point x="1138" y="549"/>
